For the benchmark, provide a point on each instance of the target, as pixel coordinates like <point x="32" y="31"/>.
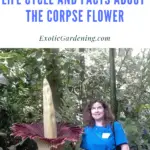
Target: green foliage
<point x="136" y="133"/>
<point x="69" y="109"/>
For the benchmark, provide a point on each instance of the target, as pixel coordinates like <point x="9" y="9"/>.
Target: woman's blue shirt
<point x="102" y="138"/>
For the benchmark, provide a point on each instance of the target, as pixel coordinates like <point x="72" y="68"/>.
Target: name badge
<point x="105" y="135"/>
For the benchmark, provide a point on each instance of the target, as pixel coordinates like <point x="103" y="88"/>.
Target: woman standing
<point x="98" y="134"/>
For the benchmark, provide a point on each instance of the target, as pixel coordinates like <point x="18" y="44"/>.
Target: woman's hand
<point x="125" y="147"/>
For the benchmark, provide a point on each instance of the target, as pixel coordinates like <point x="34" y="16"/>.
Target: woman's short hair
<point x="108" y="115"/>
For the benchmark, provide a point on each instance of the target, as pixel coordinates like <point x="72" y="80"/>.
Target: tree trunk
<point x="53" y="77"/>
<point x="114" y="103"/>
<point x="82" y="96"/>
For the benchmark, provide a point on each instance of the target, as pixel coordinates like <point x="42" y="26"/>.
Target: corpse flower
<point x="49" y="134"/>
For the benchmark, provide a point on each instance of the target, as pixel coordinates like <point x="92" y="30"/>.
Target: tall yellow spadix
<point x="49" y="119"/>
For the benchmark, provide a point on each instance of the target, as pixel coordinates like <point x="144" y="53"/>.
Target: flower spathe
<point x="65" y="132"/>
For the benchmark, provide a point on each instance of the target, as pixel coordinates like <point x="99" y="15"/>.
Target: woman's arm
<point x="120" y="136"/>
<point x="125" y="147"/>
